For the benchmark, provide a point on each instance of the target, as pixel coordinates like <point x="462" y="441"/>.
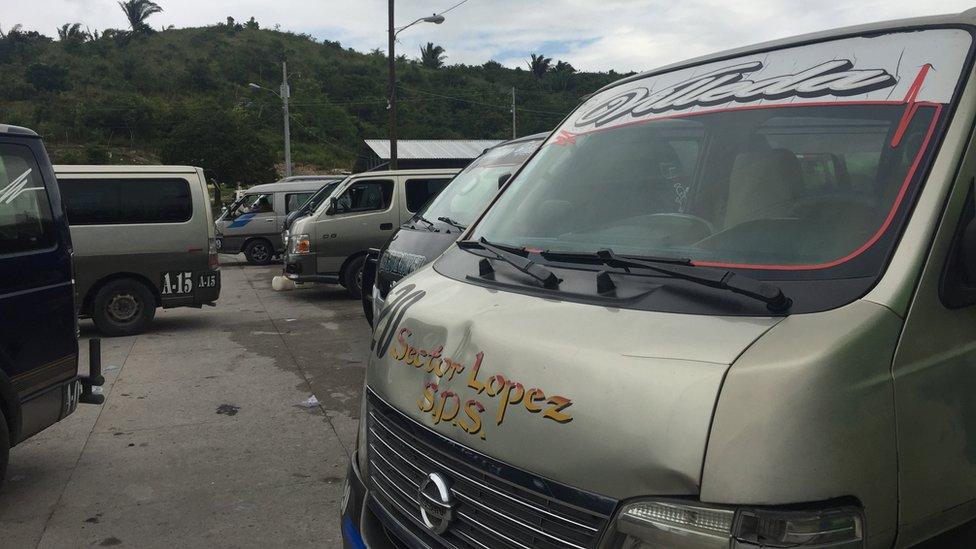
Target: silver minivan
<point x="253" y="224"/>
<point x="143" y="238"/>
<point x="330" y="245"/>
<point x="729" y="303"/>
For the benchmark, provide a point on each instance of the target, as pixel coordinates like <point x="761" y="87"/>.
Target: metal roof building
<point x="423" y="153"/>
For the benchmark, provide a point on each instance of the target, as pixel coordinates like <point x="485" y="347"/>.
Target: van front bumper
<point x="301" y="268"/>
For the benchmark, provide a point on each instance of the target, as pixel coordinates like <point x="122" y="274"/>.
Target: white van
<point x="730" y="303"/>
<point x="143" y="238"/>
<point x="254" y="223"/>
<point x="330" y="244"/>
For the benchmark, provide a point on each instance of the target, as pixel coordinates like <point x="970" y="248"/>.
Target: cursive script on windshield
<point x="730" y="84"/>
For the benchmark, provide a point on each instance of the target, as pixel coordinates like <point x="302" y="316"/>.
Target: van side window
<point x="366" y="196"/>
<point x="294" y="201"/>
<point x="420" y="191"/>
<point x="26" y="222"/>
<point x="126" y="201"/>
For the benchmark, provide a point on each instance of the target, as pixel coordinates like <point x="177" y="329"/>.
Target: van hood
<point x="613" y="401"/>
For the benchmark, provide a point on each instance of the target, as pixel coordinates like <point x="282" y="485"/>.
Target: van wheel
<point x="259" y="252"/>
<point x="353" y="277"/>
<point x="4" y="447"/>
<point x="123" y="307"/>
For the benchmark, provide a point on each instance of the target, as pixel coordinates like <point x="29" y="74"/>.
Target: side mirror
<point x="503" y="179"/>
<point x="333" y="206"/>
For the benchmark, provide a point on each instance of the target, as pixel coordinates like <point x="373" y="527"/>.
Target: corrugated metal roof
<point x="431" y="149"/>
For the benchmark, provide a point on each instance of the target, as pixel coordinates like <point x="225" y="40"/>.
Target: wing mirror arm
<point x="333" y="206"/>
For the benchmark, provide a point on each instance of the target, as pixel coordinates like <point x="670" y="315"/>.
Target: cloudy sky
<point x="600" y="35"/>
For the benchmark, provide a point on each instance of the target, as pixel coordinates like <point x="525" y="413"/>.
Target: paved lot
<point x="204" y="439"/>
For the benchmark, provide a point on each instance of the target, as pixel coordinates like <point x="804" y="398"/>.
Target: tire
<point x="259" y="252"/>
<point x="353" y="277"/>
<point x="4" y="448"/>
<point x="123" y="307"/>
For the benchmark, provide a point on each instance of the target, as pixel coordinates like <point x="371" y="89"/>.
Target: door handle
<point x="386" y="226"/>
<point x="269" y="220"/>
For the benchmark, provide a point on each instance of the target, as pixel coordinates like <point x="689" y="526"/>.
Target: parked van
<point x="330" y="245"/>
<point x="143" y="237"/>
<point x="253" y="224"/>
<point x="39" y="382"/>
<point x="449" y="213"/>
<point x="729" y="303"/>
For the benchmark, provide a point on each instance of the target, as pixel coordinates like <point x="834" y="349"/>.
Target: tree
<point x="540" y="65"/>
<point x="71" y="32"/>
<point x="46" y="77"/>
<point x="222" y="142"/>
<point x="562" y="77"/>
<point x="137" y="11"/>
<point x="432" y="56"/>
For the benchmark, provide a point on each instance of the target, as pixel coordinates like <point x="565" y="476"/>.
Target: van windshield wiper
<point x="452" y="223"/>
<point x="527" y="266"/>
<point x="682" y="268"/>
<point x="429" y="223"/>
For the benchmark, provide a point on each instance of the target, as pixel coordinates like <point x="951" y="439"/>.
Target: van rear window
<point x="26" y="223"/>
<point x="126" y="201"/>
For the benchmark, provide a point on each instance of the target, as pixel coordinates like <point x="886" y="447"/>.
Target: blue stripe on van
<point x="241" y="221"/>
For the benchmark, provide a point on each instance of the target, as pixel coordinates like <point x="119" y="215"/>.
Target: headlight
<point x="687" y="525"/>
<point x="300" y="244"/>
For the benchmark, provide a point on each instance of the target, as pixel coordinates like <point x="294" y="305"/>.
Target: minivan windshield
<point x="319" y="196"/>
<point x="470" y="191"/>
<point x="252" y="204"/>
<point x="775" y="179"/>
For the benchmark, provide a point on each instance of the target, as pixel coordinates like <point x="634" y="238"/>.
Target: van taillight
<point x="212" y="251"/>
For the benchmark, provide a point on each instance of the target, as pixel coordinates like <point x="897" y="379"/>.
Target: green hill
<point x="182" y="96"/>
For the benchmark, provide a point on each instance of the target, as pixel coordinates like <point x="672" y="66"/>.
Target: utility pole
<point x="393" y="92"/>
<point x="285" y="94"/>
<point x="393" y="32"/>
<point x="513" y="112"/>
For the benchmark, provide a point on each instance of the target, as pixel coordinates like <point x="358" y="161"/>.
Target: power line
<point x="452" y="7"/>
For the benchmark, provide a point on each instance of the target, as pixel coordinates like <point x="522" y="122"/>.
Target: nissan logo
<point x="436" y="503"/>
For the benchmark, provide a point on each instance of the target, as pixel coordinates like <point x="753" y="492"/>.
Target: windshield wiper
<point x="682" y="268"/>
<point x="527" y="266"/>
<point x="429" y="223"/>
<point x="452" y="223"/>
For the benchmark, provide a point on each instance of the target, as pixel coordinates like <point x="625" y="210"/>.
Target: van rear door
<point x="38" y="347"/>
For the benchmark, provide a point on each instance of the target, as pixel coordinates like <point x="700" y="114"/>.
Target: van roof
<point x="418" y="171"/>
<point x="119" y="169"/>
<point x="967" y="17"/>
<point x="304" y="185"/>
<point x="17" y="130"/>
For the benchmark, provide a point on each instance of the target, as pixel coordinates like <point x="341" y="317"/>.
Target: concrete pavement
<point x="205" y="439"/>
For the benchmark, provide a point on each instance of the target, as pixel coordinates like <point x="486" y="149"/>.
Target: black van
<point x="39" y="382"/>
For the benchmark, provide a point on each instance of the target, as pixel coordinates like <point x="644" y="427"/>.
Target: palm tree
<point x="432" y="56"/>
<point x="562" y="66"/>
<point x="540" y="65"/>
<point x="137" y="11"/>
<point x="71" y="32"/>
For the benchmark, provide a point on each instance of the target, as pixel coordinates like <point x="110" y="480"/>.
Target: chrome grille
<point x="491" y="512"/>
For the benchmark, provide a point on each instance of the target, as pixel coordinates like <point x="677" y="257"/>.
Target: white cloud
<point x="622" y="35"/>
